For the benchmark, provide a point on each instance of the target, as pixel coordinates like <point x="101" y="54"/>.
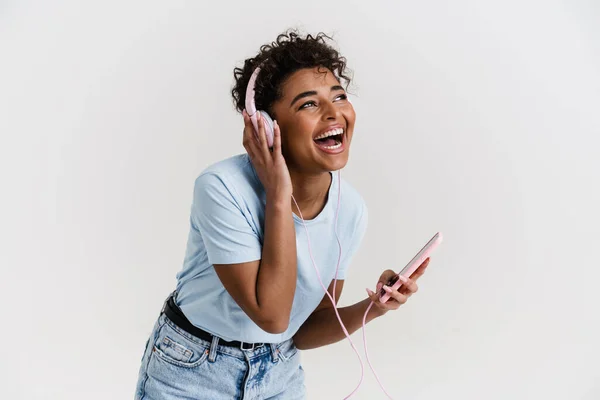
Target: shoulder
<point x="354" y="203"/>
<point x="232" y="175"/>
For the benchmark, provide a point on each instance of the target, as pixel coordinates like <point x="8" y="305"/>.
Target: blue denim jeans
<point x="177" y="366"/>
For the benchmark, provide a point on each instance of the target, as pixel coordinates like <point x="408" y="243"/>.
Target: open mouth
<point x="330" y="140"/>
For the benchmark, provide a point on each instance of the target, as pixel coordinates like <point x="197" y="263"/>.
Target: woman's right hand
<point x="270" y="166"/>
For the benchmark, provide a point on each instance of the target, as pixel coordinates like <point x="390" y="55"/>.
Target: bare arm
<point x="323" y="328"/>
<point x="265" y="289"/>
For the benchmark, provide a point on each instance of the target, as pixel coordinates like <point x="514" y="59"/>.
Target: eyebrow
<point x="313" y="93"/>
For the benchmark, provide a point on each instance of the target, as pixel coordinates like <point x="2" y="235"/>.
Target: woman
<point x="248" y="296"/>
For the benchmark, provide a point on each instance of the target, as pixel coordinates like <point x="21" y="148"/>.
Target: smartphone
<point x="408" y="270"/>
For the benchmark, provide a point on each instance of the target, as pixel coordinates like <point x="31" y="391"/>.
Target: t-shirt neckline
<point x="297" y="218"/>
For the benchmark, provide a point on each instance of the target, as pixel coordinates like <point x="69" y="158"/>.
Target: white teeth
<point x="333" y="132"/>
<point x="332" y="147"/>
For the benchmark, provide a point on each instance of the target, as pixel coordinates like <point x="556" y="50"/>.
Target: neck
<point x="310" y="192"/>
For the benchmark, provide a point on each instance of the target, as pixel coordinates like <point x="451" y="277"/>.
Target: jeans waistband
<point x="176" y="315"/>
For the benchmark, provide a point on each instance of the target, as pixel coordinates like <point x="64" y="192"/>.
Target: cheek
<point x="350" y="120"/>
<point x="302" y="132"/>
<point x="350" y="115"/>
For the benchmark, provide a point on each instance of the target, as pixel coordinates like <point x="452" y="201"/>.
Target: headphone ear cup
<point x="269" y="130"/>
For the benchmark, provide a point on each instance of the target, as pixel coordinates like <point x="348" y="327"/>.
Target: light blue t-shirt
<point x="226" y="227"/>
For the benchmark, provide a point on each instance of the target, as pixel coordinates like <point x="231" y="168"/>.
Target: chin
<point x="335" y="163"/>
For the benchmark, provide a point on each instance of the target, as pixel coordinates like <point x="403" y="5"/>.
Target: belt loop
<point x="213" y="349"/>
<point x="174" y="296"/>
<point x="274" y="353"/>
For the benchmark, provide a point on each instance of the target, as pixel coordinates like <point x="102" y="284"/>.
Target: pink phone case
<point x="408" y="270"/>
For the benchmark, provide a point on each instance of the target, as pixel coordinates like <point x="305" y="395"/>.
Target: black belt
<point x="174" y="313"/>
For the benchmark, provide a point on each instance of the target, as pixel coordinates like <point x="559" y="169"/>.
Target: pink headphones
<point x="253" y="113"/>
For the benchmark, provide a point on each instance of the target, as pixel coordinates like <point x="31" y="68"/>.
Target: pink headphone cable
<point x="252" y="111"/>
<point x="367" y="352"/>
<point x="333" y="302"/>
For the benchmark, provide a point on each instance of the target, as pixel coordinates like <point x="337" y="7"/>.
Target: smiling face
<point x="316" y="121"/>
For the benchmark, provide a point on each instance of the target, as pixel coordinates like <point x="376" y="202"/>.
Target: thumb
<point x="372" y="295"/>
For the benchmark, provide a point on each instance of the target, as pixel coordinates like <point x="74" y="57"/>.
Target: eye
<point x="340" y="97"/>
<point x="307" y="103"/>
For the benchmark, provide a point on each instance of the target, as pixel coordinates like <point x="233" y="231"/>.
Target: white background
<point x="478" y="119"/>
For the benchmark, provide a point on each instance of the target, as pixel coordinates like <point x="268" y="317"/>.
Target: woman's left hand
<point x="401" y="295"/>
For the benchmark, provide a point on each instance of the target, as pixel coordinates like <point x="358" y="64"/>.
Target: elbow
<point x="275" y="326"/>
<point x="300" y="345"/>
<point x="274" y="320"/>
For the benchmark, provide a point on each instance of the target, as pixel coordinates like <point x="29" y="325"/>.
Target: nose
<point x="331" y="112"/>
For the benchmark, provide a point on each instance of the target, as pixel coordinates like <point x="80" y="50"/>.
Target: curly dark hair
<point x="288" y="54"/>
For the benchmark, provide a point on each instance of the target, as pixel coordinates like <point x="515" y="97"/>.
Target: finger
<point x="253" y="134"/>
<point x="374" y="297"/>
<point x="396" y="295"/>
<point x="276" y="138"/>
<point x="402" y="288"/>
<point x="389" y="305"/>
<point x="249" y="140"/>
<point x="421" y="270"/>
<point x="262" y="137"/>
<point x="393" y="281"/>
<point x="399" y="297"/>
<point x="409" y="288"/>
<point x="250" y="151"/>
<point x="249" y="133"/>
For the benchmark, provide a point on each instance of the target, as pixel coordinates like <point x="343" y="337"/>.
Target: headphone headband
<point x="253" y="113"/>
<point x="250" y="92"/>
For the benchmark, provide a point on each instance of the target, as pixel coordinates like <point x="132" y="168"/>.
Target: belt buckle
<point x="243" y="348"/>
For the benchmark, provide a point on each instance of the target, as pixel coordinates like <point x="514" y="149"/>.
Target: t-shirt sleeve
<point x="354" y="241"/>
<point x="226" y="232"/>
